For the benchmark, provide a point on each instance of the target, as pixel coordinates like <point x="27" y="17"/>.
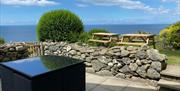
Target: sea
<point x="27" y="33"/>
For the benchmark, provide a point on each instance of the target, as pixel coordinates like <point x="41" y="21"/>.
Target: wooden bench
<point x="129" y="43"/>
<point x="100" y="41"/>
<point x="104" y="37"/>
<point x="137" y="39"/>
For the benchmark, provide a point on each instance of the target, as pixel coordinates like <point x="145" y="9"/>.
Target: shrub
<point x="84" y="37"/>
<point x="171" y="35"/>
<point x="2" y="41"/>
<point x="58" y="25"/>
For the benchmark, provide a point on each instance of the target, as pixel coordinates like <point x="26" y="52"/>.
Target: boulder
<point x="89" y="59"/>
<point x="126" y="60"/>
<point x="121" y="75"/>
<point x="154" y="55"/>
<point x="20" y="48"/>
<point x="97" y="65"/>
<point x="103" y="59"/>
<point x="153" y="74"/>
<point x="138" y="62"/>
<point x="130" y="48"/>
<point x="133" y="66"/>
<point x="125" y="69"/>
<point x="124" y="53"/>
<point x="105" y="73"/>
<point x="72" y="52"/>
<point x="88" y="64"/>
<point x="141" y="54"/>
<point x="141" y="71"/>
<point x="83" y="56"/>
<point x="157" y="66"/>
<point x="110" y="64"/>
<point x="68" y="48"/>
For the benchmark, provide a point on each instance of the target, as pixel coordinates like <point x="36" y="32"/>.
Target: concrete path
<point x="172" y="70"/>
<point x="101" y="83"/>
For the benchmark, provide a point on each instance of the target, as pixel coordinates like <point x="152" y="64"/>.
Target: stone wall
<point x="13" y="51"/>
<point x="119" y="61"/>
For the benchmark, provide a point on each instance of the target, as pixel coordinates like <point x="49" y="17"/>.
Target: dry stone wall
<point x="119" y="61"/>
<point x="13" y="51"/>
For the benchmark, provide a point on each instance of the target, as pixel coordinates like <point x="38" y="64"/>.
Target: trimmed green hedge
<point x="59" y="25"/>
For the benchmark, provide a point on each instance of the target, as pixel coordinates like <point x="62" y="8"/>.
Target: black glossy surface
<point x="40" y="65"/>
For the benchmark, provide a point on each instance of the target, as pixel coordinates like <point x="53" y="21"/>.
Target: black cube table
<point x="44" y="73"/>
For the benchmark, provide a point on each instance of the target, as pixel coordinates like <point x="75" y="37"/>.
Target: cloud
<point x="175" y="11"/>
<point x="28" y="2"/>
<point x="81" y="5"/>
<point x="127" y="4"/>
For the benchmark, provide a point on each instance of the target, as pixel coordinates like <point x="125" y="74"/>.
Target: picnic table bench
<point x="104" y="37"/>
<point x="137" y="39"/>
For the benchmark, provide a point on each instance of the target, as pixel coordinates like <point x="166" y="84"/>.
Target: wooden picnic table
<point x="137" y="39"/>
<point x="104" y="37"/>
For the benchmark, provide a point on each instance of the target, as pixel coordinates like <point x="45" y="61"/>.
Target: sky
<point x="91" y="12"/>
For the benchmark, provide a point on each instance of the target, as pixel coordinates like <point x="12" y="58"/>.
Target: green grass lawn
<point x="173" y="56"/>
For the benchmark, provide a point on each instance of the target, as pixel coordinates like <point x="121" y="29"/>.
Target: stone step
<point x="166" y="85"/>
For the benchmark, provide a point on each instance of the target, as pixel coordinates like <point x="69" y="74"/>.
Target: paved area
<point x="101" y="83"/>
<point x="172" y="70"/>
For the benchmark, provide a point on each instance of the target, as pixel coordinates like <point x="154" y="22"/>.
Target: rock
<point x="132" y="56"/>
<point x="104" y="60"/>
<point x="141" y="71"/>
<point x="20" y="48"/>
<point x="103" y="51"/>
<point x="90" y="50"/>
<point x="138" y="62"/>
<point x="88" y="59"/>
<point x="119" y="65"/>
<point x="157" y="66"/>
<point x="53" y="48"/>
<point x="154" y="54"/>
<point x="76" y="57"/>
<point x="130" y="48"/>
<point x="88" y="64"/>
<point x="152" y="73"/>
<point x="105" y="73"/>
<point x="145" y="61"/>
<point x="114" y="61"/>
<point x="141" y="54"/>
<point x="97" y="65"/>
<point x="68" y="48"/>
<point x="90" y="70"/>
<point x="83" y="56"/>
<point x="110" y="64"/>
<point x="121" y="75"/>
<point x="72" y="52"/>
<point x="12" y="49"/>
<point x="144" y="48"/>
<point x="124" y="53"/>
<point x="126" y="60"/>
<point x="133" y="66"/>
<point x="125" y="69"/>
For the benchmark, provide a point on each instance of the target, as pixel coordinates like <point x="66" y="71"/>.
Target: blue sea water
<point x="27" y="33"/>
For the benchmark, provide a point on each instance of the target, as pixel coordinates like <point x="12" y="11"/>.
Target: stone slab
<point x="172" y="70"/>
<point x="169" y="84"/>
